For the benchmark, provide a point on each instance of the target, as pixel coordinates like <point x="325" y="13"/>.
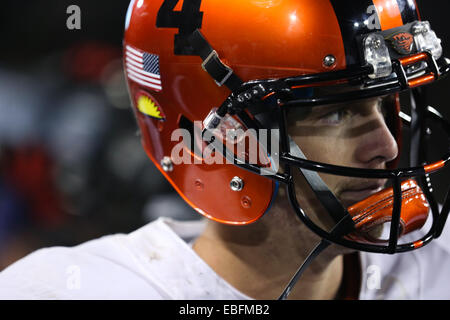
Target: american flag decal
<point x="143" y="68"/>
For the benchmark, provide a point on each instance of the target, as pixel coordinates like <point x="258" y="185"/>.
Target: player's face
<point x="351" y="134"/>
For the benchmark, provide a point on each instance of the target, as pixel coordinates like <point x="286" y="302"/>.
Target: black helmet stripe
<point x="409" y="10"/>
<point x="355" y="18"/>
<point x="360" y="17"/>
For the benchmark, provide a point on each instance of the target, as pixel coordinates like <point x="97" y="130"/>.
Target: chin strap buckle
<point x="217" y="69"/>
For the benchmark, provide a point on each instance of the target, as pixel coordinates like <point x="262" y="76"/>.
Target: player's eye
<point x="336" y="117"/>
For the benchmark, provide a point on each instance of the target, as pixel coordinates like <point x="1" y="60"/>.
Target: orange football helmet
<point x="241" y="64"/>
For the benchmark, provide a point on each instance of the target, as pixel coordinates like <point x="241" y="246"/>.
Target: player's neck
<point x="259" y="261"/>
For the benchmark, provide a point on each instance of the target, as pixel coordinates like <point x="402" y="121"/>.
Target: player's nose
<point x="377" y="145"/>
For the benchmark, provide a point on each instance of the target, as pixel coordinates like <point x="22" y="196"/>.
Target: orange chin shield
<point x="375" y="211"/>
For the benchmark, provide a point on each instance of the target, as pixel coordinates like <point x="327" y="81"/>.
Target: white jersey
<point x="157" y="262"/>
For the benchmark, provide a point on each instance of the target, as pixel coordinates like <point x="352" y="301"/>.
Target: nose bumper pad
<point x="371" y="213"/>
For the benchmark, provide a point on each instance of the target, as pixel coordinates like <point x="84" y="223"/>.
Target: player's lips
<point x="360" y="192"/>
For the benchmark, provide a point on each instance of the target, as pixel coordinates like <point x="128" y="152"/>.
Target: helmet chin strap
<point x="320" y="188"/>
<point x="321" y="246"/>
<point x="333" y="206"/>
<point x="340" y="229"/>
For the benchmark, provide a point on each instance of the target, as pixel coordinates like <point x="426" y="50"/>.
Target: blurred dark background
<point x="71" y="164"/>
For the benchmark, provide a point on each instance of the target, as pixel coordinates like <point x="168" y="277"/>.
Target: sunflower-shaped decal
<point x="149" y="107"/>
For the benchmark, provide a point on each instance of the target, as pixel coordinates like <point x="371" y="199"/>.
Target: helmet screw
<point x="236" y="184"/>
<point x="419" y="28"/>
<point x="167" y="164"/>
<point x="329" y="60"/>
<point x="247" y="96"/>
<point x="375" y="44"/>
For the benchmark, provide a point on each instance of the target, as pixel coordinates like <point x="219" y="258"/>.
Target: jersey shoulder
<point x="100" y="268"/>
<point x="419" y="274"/>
